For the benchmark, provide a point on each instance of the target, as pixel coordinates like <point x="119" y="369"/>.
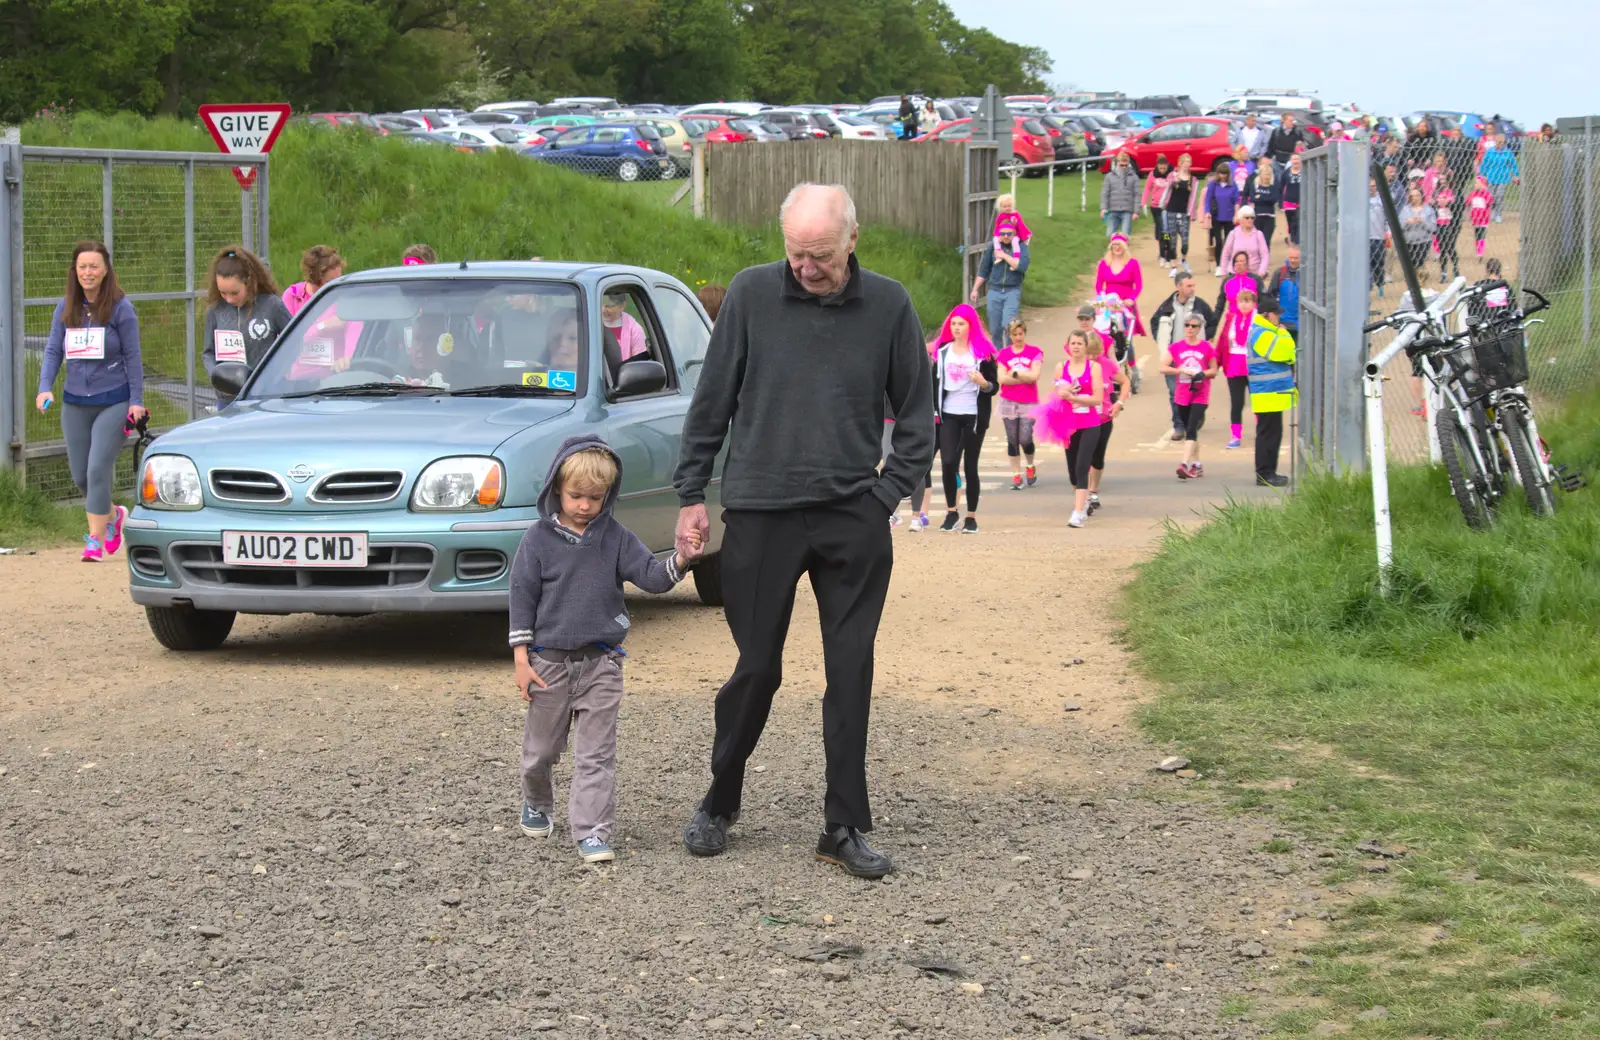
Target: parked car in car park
<point x="1162" y="104"/>
<point x="599" y="104"/>
<point x="399" y="122"/>
<point x="1030" y="139"/>
<point x="404" y="480"/>
<point x="435" y="118"/>
<point x="356" y="120"/>
<point x="1205" y="138"/>
<point x="626" y="151"/>
<point x="723" y="108"/>
<point x="1244" y="101"/>
<point x="440" y="137"/>
<point x="509" y="136"/>
<point x="717" y="129"/>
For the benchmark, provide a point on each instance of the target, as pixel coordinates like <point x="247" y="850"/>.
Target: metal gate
<point x="163" y="215"/>
<point x="980" y="186"/>
<point x="1330" y="349"/>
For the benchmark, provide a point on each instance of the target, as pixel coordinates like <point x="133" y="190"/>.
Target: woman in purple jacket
<point x="1222" y="201"/>
<point x="96" y="334"/>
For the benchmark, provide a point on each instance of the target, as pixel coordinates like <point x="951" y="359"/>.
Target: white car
<point x="597" y="103"/>
<point x="1288" y="99"/>
<point x="437" y="118"/>
<point x="854" y="128"/>
<point x="506" y="106"/>
<point x="742" y="109"/>
<point x="493" y="136"/>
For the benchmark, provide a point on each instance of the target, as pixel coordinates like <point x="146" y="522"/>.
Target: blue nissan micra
<point x="387" y="453"/>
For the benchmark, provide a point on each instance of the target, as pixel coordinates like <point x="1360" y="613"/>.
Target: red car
<point x="1030" y="139"/>
<point x="1205" y="138"/>
<point x="718" y="129"/>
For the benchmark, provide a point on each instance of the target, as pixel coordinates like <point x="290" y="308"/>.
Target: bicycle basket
<point x="1501" y="356"/>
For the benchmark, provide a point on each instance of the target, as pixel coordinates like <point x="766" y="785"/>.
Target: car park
<point x="599" y="104"/>
<point x="1471" y="124"/>
<point x="436" y="118"/>
<point x="354" y="120"/>
<point x="1243" y="101"/>
<point x="678" y="138"/>
<point x="401" y="476"/>
<point x="508" y="136"/>
<point x="1030" y="139"/>
<point x="798" y="123"/>
<point x="441" y="137"/>
<point x="717" y="129"/>
<point x="723" y="108"/>
<point x="1166" y="105"/>
<point x="626" y="151"/>
<point x="1205" y="138"/>
<point x="399" y="122"/>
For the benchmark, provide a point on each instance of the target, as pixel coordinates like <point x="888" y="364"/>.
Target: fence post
<point x="12" y="415"/>
<point x="1083" y="192"/>
<point x="188" y="282"/>
<point x="263" y="232"/>
<point x="247" y="236"/>
<point x="697" y="180"/>
<point x="1013" y="181"/>
<point x="1588" y="223"/>
<point x="106" y="212"/>
<point x="1349" y="305"/>
<point x="1050" y="194"/>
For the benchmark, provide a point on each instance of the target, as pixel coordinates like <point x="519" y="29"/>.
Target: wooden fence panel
<point x="914" y="186"/>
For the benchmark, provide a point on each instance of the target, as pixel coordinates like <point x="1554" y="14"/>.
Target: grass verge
<point x="30" y="518"/>
<point x="1064" y="247"/>
<point x="1457" y="719"/>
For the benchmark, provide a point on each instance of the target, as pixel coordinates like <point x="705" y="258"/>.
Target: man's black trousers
<point x="1269" y="438"/>
<point x="845" y="548"/>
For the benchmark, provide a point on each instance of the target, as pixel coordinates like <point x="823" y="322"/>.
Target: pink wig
<point x="977" y="335"/>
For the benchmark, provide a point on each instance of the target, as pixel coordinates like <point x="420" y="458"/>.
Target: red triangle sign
<point x="244" y="128"/>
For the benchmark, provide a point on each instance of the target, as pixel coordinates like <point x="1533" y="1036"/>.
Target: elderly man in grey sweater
<point x="805" y="356"/>
<point x="1119" y="196"/>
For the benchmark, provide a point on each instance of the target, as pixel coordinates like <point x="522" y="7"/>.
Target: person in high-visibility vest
<point x="1272" y="389"/>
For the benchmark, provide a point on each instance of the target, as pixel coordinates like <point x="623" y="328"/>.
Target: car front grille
<point x="256" y="486"/>
<point x="146" y="560"/>
<point x="358" y="487"/>
<point x="388" y="566"/>
<point x="480" y="564"/>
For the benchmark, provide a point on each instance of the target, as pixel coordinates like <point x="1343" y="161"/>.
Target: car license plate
<point x="285" y="549"/>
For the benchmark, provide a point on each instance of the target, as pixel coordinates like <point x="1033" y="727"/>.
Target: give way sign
<point x="244" y="128"/>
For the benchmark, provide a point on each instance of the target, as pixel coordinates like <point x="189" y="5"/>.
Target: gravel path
<point x="313" y="831"/>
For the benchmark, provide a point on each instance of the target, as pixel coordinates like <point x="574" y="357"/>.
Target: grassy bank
<point x="1459" y="719"/>
<point x="29" y="518"/>
<point x="1064" y="247"/>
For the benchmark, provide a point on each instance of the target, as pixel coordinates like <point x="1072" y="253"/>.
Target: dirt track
<point x="313" y="831"/>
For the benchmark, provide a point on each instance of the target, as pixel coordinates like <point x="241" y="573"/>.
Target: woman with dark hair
<point x="1155" y="190"/>
<point x="95" y="332"/>
<point x="245" y="313"/>
<point x="711" y="297"/>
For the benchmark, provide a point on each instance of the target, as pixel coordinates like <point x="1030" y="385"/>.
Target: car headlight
<point x="170" y="482"/>
<point x="463" y="483"/>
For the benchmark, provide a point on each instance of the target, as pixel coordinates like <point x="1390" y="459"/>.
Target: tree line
<point x="169" y="56"/>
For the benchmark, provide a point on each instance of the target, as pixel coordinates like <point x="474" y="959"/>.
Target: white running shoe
<point x="1076" y="520"/>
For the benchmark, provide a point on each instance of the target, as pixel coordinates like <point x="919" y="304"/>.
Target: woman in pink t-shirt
<point x="1194" y="362"/>
<point x="1119" y="273"/>
<point x="1072" y="417"/>
<point x="1020" y="364"/>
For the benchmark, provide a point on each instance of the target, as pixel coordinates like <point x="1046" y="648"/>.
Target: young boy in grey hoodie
<point x="568" y="621"/>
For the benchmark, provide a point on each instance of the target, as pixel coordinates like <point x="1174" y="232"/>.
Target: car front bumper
<point x="415" y="562"/>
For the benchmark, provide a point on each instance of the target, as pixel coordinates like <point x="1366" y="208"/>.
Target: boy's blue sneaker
<point x="536" y="824"/>
<point x="593" y="850"/>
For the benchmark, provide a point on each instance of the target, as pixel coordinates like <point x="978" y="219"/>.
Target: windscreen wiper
<point x="510" y="390"/>
<point x="366" y="390"/>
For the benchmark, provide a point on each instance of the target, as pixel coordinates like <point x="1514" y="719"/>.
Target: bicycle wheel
<point x="1468" y="482"/>
<point x="1525" y="458"/>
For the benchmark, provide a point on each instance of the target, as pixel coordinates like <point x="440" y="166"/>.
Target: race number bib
<point x="317" y="352"/>
<point x="229" y="345"/>
<point x="1444" y="216"/>
<point x="86" y="344"/>
<point x="1480" y="204"/>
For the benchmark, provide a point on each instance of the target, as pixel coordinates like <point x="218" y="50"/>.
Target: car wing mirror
<point x="642" y="376"/>
<point x="229" y="377"/>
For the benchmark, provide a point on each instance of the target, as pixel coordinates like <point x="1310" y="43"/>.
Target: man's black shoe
<point x="848" y="848"/>
<point x="707" y="835"/>
<point x="1276" y="480"/>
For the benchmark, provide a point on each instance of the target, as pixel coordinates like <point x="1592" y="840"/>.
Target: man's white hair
<point x="843" y="204"/>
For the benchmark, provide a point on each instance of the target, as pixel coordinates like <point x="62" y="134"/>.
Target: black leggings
<point x="1418" y="251"/>
<point x="1019" y="436"/>
<point x="1375" y="261"/>
<point x="959" y="436"/>
<point x="1266" y="223"/>
<point x="1448" y="233"/>
<point x="1292" y="218"/>
<point x="1099" y="460"/>
<point x="1194" y="417"/>
<point x="1238" y="390"/>
<point x="1080" y="454"/>
<point x="1219" y="235"/>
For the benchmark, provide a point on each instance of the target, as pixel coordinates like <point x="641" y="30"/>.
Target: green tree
<point x="691" y="50"/>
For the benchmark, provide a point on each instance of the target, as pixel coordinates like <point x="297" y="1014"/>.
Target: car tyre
<point x="708" y="580"/>
<point x="628" y="170"/>
<point x="185" y="628"/>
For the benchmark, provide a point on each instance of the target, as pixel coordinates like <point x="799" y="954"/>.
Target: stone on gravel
<point x="1077" y="660"/>
<point x="543" y="1025"/>
<point x="834" y="972"/>
<point x="1173" y="764"/>
<point x="1251" y="949"/>
<point x="1186" y="774"/>
<point x="1081" y="874"/>
<point x="939" y="966"/>
<point x="974" y="989"/>
<point x="1071" y="706"/>
<point x="209" y="931"/>
<point x="1377" y="868"/>
<point x="66" y="932"/>
<point x="1373" y="847"/>
<point x="260" y="868"/>
<point x="1373" y="1014"/>
<point x="451" y="899"/>
<point x="936" y="919"/>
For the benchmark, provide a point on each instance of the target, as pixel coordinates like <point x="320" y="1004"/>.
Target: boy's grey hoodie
<point x="566" y="588"/>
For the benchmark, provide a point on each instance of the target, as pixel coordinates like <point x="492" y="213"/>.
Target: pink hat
<point x="411" y="261"/>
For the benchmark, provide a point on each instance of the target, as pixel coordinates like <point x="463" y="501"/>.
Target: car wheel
<point x="708" y="579"/>
<point x="628" y="170"/>
<point x="185" y="628"/>
<point x="669" y="171"/>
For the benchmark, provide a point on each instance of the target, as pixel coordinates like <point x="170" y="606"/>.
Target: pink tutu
<point x="1054" y="422"/>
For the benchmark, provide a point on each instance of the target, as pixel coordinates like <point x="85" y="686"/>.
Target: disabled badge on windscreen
<point x="555" y="379"/>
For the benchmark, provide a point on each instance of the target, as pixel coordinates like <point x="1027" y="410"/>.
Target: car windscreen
<point x="447" y="333"/>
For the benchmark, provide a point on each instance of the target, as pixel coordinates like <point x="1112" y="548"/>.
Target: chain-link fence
<point x="163" y="215"/>
<point x="621" y="160"/>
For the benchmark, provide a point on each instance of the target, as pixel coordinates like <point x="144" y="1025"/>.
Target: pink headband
<point x="410" y="261"/>
<point x="1120" y="237"/>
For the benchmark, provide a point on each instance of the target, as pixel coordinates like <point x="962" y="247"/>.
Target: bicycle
<point x="1488" y="437"/>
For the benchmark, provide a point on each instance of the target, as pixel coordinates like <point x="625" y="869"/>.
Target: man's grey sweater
<point x="566" y="587"/>
<point x="797" y="385"/>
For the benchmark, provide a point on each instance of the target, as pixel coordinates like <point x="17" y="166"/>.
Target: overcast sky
<point x="1530" y="60"/>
